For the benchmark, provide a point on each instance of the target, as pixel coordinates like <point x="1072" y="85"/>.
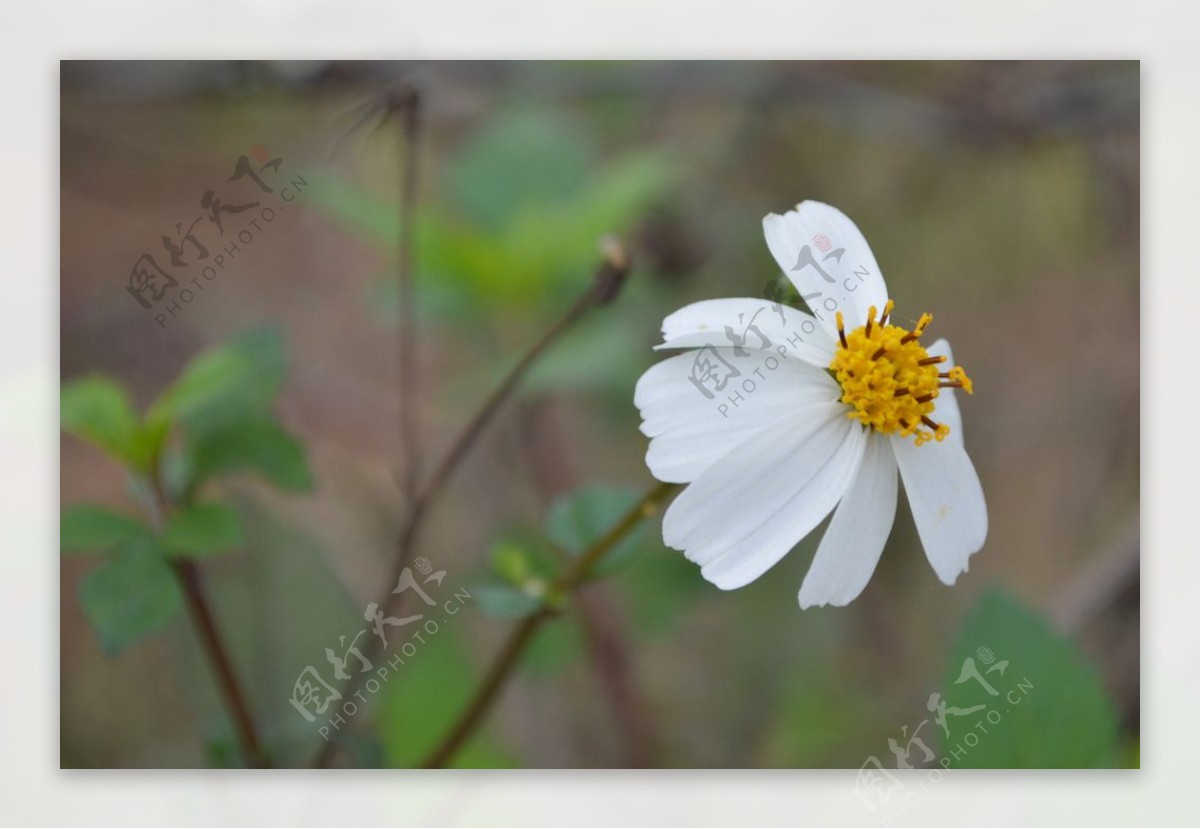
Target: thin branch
<point x="198" y="607"/>
<point x="406" y="102"/>
<point x="610" y="658"/>
<point x="614" y="671"/>
<point x="402" y="102"/>
<point x="606" y="284"/>
<point x="607" y="281"/>
<point x="197" y="602"/>
<point x="514" y="648"/>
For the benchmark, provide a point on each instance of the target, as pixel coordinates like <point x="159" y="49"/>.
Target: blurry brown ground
<point x="1002" y="197"/>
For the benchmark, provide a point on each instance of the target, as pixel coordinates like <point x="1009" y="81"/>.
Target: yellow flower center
<point x="888" y="378"/>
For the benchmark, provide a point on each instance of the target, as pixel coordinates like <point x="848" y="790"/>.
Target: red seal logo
<point x="822" y="242"/>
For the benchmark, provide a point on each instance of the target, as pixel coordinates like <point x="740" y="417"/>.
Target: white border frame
<point x="36" y="35"/>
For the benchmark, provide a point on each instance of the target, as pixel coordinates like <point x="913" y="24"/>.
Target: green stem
<point x="504" y="663"/>
<point x="610" y="274"/>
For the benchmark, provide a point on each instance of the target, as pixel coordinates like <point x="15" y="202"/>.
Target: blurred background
<point x="1002" y="197"/>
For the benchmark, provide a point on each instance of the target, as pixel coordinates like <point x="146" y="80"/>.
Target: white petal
<point x="745" y="488"/>
<point x="749" y="324"/>
<point x="945" y="408"/>
<point x="747" y="510"/>
<point x="829" y="261"/>
<point x="753" y="555"/>
<point x="854" y="541"/>
<point x="690" y="431"/>
<point x="946" y="500"/>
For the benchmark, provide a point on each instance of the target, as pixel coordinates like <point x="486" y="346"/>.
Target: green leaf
<point x="98" y="410"/>
<point x="522" y="570"/>
<point x="578" y="520"/>
<point x="622" y="191"/>
<point x="505" y="601"/>
<point x="523" y="230"/>
<point x="517" y="159"/>
<point x="133" y="594"/>
<point x="513" y="562"/>
<point x="256" y="443"/>
<point x="202" y="529"/>
<point x="1045" y="708"/>
<point x="454" y="260"/>
<point x="87" y="527"/>
<point x="226" y="382"/>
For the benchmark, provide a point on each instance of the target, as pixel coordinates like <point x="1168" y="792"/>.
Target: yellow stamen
<point x="958" y="375"/>
<point x="918" y="329"/>
<point x="940" y="430"/>
<point x="888" y="379"/>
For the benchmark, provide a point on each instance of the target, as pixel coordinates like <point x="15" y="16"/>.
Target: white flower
<point x="775" y="417"/>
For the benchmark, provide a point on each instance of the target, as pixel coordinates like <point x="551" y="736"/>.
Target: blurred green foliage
<point x="214" y="420"/>
<point x="659" y="586"/>
<point x="516" y="584"/>
<point x="522" y="570"/>
<point x="254" y="443"/>
<point x="422" y="702"/>
<point x="820" y="721"/>
<point x="1049" y="709"/>
<point x="557" y="646"/>
<point x="240" y="377"/>
<point x="579" y="520"/>
<point x="202" y="529"/>
<point x="97" y="410"/>
<point x="88" y="528"/>
<point x="654" y="584"/>
<point x="131" y="595"/>
<point x="527" y="200"/>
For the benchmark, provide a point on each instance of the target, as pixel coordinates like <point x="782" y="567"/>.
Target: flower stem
<point x="504" y="663"/>
<point x="407" y="104"/>
<point x="188" y="575"/>
<point x="606" y="282"/>
<point x="193" y="591"/>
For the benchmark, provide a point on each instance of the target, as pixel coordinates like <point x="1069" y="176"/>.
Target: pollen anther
<point x="888" y="379"/>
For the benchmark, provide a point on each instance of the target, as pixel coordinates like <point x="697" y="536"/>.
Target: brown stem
<point x="197" y="602"/>
<point x="520" y="638"/>
<point x="193" y="591"/>
<point x="611" y="660"/>
<point x="606" y="283"/>
<point x="407" y="104"/>
<point x="614" y="266"/>
<point x="614" y="670"/>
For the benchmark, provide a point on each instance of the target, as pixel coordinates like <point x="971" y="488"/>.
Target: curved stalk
<point x="606" y="283"/>
<point x="504" y="663"/>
